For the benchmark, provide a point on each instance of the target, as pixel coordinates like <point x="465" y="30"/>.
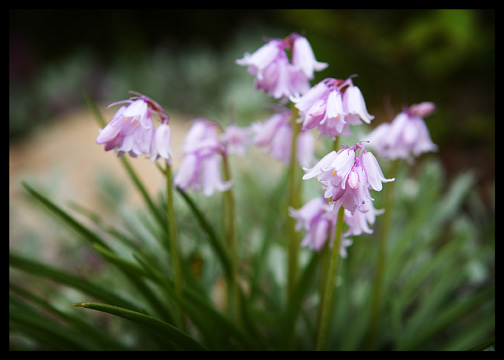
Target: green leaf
<point x="213" y="238"/>
<point x="199" y="310"/>
<point x="446" y="317"/>
<point x="135" y="274"/>
<point x="67" y="219"/>
<point x="101" y="338"/>
<point x="485" y="345"/>
<point x="25" y="319"/>
<point x="63" y="277"/>
<point x="171" y="333"/>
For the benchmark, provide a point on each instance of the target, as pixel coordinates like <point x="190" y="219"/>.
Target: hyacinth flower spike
<point x="331" y="106"/>
<point x="317" y="219"/>
<point x="200" y="167"/>
<point x="348" y="177"/>
<point x="274" y="136"/>
<point x="275" y="74"/>
<point x="406" y="136"/>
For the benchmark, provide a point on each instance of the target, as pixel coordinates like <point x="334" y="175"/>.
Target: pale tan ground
<point x="64" y="159"/>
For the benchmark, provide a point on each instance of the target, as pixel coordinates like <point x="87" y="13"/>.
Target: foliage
<point x="438" y="295"/>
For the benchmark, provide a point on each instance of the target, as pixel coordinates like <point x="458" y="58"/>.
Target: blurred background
<point x="185" y="60"/>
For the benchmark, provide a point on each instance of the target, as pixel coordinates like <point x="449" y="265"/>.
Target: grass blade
<point x="484" y="345"/>
<point x="162" y="328"/>
<point x="62" y="277"/>
<point x="80" y="229"/>
<point x="213" y="238"/>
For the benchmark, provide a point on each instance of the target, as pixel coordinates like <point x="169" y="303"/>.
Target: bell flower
<point x="275" y="74"/>
<point x="348" y="177"/>
<point x="304" y="58"/>
<point x="360" y="222"/>
<point x="406" y="136"/>
<point x="161" y="143"/>
<point x="331" y="106"/>
<point x="318" y="221"/>
<point x="274" y="135"/>
<point x="129" y="131"/>
<point x="201" y="164"/>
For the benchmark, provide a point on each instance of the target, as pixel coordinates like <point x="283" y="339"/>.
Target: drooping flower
<point x="318" y="221"/>
<point x="360" y="222"/>
<point x="348" y="177"/>
<point x="275" y="74"/>
<point x="304" y="58"/>
<point x="200" y="167"/>
<point x="275" y="136"/>
<point x="354" y="106"/>
<point x="406" y="136"/>
<point x="331" y="106"/>
<point x="161" y="143"/>
<point x="129" y="131"/>
<point x="132" y="131"/>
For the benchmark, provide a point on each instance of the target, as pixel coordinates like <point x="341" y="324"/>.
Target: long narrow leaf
<point x="484" y="345"/>
<point x="62" y="277"/>
<point x="213" y="238"/>
<point x="67" y="219"/>
<point x="171" y="333"/>
<point x="195" y="306"/>
<point x="135" y="274"/>
<point x="100" y="337"/>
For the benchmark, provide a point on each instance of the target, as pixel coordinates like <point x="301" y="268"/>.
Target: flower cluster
<point x="347" y="177"/>
<point x="201" y="164"/>
<point x="275" y="136"/>
<point x="406" y="136"/>
<point x="318" y="221"/>
<point x="132" y="131"/>
<point x="275" y="74"/>
<point x="331" y="106"/>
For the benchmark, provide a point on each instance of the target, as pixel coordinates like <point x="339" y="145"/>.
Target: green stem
<point x="382" y="252"/>
<point x="230" y="236"/>
<point x="324" y="253"/>
<point x="294" y="201"/>
<point x="327" y="301"/>
<point x="173" y="243"/>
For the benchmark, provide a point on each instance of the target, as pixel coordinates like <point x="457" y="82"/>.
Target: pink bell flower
<point x="304" y="58"/>
<point x="201" y="164"/>
<point x="360" y="222"/>
<point x="161" y="143"/>
<point x="318" y="221"/>
<point x="355" y="106"/>
<point x="274" y="135"/>
<point x="348" y="177"/>
<point x="275" y="74"/>
<point x="406" y="136"/>
<point x="129" y="131"/>
<point x="331" y="108"/>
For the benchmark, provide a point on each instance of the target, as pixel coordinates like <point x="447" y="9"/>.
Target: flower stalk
<point x="230" y="236"/>
<point x="294" y="201"/>
<point x="326" y="302"/>
<point x="380" y="267"/>
<point x="173" y="243"/>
